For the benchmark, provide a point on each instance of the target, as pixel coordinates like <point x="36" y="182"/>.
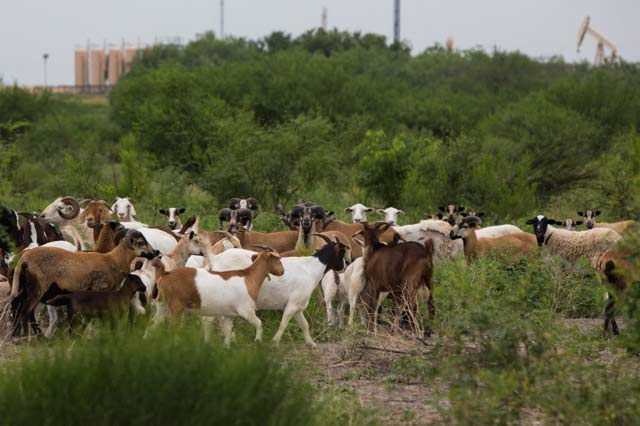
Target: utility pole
<point x="221" y="18"/>
<point x="324" y="18"/>
<point x="44" y="60"/>
<point x="396" y="21"/>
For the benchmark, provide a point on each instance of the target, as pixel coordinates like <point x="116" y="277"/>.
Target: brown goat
<point x="100" y="304"/>
<point x="43" y="272"/>
<point x="518" y="245"/>
<point x="107" y="233"/>
<point x="351" y="229"/>
<point x="619" y="268"/>
<point x="96" y="212"/>
<point x="403" y="270"/>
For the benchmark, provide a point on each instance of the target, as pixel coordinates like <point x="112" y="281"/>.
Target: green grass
<point x="171" y="377"/>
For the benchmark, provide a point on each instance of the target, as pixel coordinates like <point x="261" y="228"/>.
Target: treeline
<point x="338" y="117"/>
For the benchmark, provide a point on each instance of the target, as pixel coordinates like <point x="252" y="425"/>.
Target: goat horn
<point x="324" y="237"/>
<point x="265" y="248"/>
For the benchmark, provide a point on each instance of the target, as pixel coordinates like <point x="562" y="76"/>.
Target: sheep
<point x="159" y="239"/>
<point x="570" y="224"/>
<point x="292" y="291"/>
<point x="518" y="245"/>
<point x="436" y="231"/>
<point x="227" y="294"/>
<point x="66" y="212"/>
<point x="390" y="215"/>
<point x="359" y="212"/>
<point x="618" y="267"/>
<point x="100" y="304"/>
<point x="123" y="208"/>
<point x="173" y="216"/>
<point x="43" y="272"/>
<point x="590" y="221"/>
<point x="573" y="245"/>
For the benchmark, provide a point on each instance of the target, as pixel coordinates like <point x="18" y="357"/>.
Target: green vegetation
<point x="335" y="117"/>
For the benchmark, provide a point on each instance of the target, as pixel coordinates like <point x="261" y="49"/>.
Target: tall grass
<point x="171" y="377"/>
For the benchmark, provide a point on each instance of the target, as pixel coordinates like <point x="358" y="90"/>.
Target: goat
<point x="451" y="212"/>
<point x="173" y="216"/>
<point x="242" y="215"/>
<point x="292" y="291"/>
<point x="570" y="224"/>
<point x="11" y="233"/>
<point x="590" y="222"/>
<point x="359" y="212"/>
<point x="96" y="212"/>
<point x="227" y="294"/>
<point x="402" y="270"/>
<point x="517" y="245"/>
<point x="43" y="272"/>
<point x="100" y="304"/>
<point x="619" y="268"/>
<point x="107" y="234"/>
<point x="279" y="241"/>
<point x="390" y="215"/>
<point x="159" y="239"/>
<point x="124" y="210"/>
<point x="351" y="229"/>
<point x="190" y="244"/>
<point x="245" y="203"/>
<point x="285" y="217"/>
<point x="573" y="245"/>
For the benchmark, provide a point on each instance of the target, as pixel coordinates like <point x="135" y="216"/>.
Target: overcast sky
<point x="29" y="28"/>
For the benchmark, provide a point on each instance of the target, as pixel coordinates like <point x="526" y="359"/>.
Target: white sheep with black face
<point x="572" y="245"/>
<point x="359" y="212"/>
<point x="390" y="215"/>
<point x="123" y="207"/>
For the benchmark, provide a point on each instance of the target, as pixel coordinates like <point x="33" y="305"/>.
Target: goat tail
<point x="160" y="269"/>
<point x="428" y="248"/>
<point x="19" y="275"/>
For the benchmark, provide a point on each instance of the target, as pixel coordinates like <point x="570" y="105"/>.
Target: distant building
<point x="82" y="67"/>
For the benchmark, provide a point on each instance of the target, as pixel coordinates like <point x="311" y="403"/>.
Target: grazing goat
<point x="173" y="216"/>
<point x="359" y="212"/>
<point x="100" y="304"/>
<point x="124" y="210"/>
<point x="390" y="215"/>
<point x="619" y="227"/>
<point x="227" y="294"/>
<point x="451" y="212"/>
<point x="43" y="272"/>
<point x="573" y="245"/>
<point x="619" y="268"/>
<point x="570" y="224"/>
<point x="402" y="270"/>
<point x="517" y="245"/>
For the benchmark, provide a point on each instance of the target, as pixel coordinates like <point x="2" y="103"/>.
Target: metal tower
<point x="396" y="21"/>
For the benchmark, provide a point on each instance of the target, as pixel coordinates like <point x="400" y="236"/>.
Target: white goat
<point x="390" y="215"/>
<point x="123" y="207"/>
<point x="358" y="212"/>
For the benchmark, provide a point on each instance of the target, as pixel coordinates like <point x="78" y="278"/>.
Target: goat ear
<point x="579" y="222"/>
<point x="480" y="214"/>
<point x="597" y="213"/>
<point x="162" y="211"/>
<point x="181" y="210"/>
<point x="348" y="210"/>
<point x="380" y="211"/>
<point x="530" y="222"/>
<point x="191" y="235"/>
<point x="459" y="209"/>
<point x="400" y="212"/>
<point x="254" y="257"/>
<point x="442" y="209"/>
<point x="464" y="214"/>
<point x="368" y="210"/>
<point x="580" y="213"/>
<point x="564" y="223"/>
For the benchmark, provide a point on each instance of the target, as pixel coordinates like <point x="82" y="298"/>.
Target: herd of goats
<point x="73" y="254"/>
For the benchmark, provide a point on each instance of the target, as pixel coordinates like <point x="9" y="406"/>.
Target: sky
<point x="539" y="28"/>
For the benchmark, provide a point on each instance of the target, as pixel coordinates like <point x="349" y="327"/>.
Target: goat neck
<point x="470" y="244"/>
